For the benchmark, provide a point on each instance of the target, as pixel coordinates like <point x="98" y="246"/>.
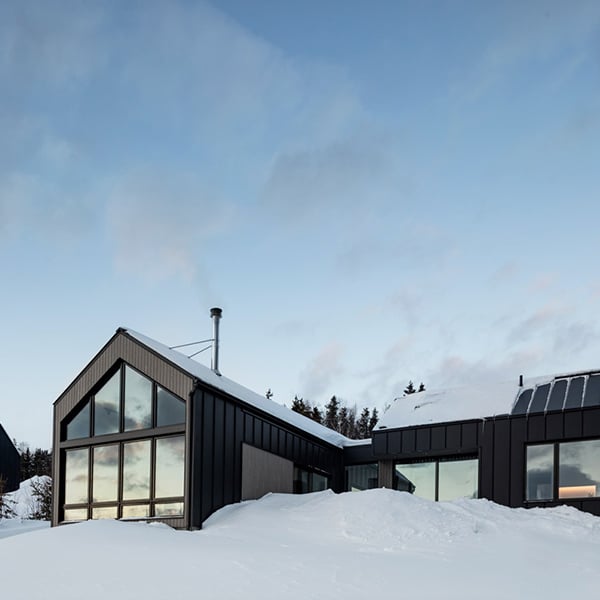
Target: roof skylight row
<point x="560" y="394"/>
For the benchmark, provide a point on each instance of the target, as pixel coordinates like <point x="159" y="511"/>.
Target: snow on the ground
<point x="22" y="501"/>
<point x="23" y="504"/>
<point x="321" y="545"/>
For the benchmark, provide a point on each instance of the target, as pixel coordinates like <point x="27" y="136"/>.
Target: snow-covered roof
<point x="195" y="369"/>
<point x="476" y="402"/>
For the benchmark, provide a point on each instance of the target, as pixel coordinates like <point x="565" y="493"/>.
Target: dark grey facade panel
<point x="427" y="440"/>
<point x="359" y="454"/>
<point x="486" y="457"/>
<point x="9" y="462"/>
<point x="591" y="423"/>
<point x="573" y="424"/>
<point x="518" y="436"/>
<point x="501" y="463"/>
<point x="554" y="425"/>
<point x="220" y="427"/>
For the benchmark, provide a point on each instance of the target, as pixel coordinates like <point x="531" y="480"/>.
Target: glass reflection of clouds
<point x="169" y="467"/>
<point x="136" y="470"/>
<point x="170" y="409"/>
<point x="79" y="427"/>
<point x="76" y="514"/>
<point x="106" y="473"/>
<point x="138" y="401"/>
<point x="579" y="469"/>
<point x="540" y="472"/>
<point x="106" y="407"/>
<point x="170" y="509"/>
<point x="104" y="512"/>
<point x="136" y="511"/>
<point x="76" y="476"/>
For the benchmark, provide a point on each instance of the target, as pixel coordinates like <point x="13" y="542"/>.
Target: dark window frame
<point x="555" y="473"/>
<point x="437" y="462"/>
<point x="91" y="399"/>
<point x="152" y="500"/>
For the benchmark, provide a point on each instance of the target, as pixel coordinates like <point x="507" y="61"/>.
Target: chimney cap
<point x="216" y="312"/>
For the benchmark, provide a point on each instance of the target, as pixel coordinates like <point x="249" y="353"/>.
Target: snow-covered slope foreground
<point x="321" y="545"/>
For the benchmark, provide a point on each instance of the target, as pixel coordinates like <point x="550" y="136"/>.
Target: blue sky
<point x="373" y="191"/>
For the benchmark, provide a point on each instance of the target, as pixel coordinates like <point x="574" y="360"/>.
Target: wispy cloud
<point x="321" y="372"/>
<point x="161" y="221"/>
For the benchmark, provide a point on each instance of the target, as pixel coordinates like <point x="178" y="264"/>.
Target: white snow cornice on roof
<point x="240" y="392"/>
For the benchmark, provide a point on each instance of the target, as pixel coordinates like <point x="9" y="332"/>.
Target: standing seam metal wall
<point x="220" y="425"/>
<point x="9" y="462"/>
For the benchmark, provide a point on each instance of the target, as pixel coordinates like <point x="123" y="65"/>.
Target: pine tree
<point x="409" y="389"/>
<point x="421" y="387"/>
<point x="6" y="509"/>
<point x="373" y="421"/>
<point x="331" y="414"/>
<point x="362" y="425"/>
<point x="268" y="394"/>
<point x="41" y="490"/>
<point x="26" y="464"/>
<point x="343" y="421"/>
<point x="316" y="414"/>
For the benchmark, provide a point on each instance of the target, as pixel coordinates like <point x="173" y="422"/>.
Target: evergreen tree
<point x="421" y="387"/>
<point x="331" y="414"/>
<point x="26" y="464"/>
<point x="409" y="389"/>
<point x="268" y="394"/>
<point x="373" y="421"/>
<point x="42" y="495"/>
<point x="343" y="421"/>
<point x="6" y="510"/>
<point x="362" y="425"/>
<point x="299" y="406"/>
<point x="316" y="414"/>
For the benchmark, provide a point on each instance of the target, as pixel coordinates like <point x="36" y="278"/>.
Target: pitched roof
<point x="487" y="400"/>
<point x="195" y="369"/>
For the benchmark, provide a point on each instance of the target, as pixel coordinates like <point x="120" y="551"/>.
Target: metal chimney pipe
<point x="215" y="314"/>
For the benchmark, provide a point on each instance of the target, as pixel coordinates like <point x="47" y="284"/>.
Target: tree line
<point x="342" y="418"/>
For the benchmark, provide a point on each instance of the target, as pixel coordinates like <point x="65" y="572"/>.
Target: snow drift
<point x="320" y="545"/>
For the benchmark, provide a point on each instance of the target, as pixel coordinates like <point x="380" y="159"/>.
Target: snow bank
<point x="321" y="545"/>
<point x="22" y="501"/>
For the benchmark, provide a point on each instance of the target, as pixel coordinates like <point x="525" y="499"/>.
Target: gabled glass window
<point x="170" y="410"/>
<point x="106" y="406"/>
<point x="128" y="401"/>
<point x="138" y="400"/>
<point x="79" y="426"/>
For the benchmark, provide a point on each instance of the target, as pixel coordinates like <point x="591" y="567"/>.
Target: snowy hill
<point x="22" y="501"/>
<point x="23" y="504"/>
<point x="321" y="545"/>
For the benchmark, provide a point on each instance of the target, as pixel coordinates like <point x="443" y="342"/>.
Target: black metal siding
<point x="500" y="443"/>
<point x="9" y="462"/>
<point x="220" y="425"/>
